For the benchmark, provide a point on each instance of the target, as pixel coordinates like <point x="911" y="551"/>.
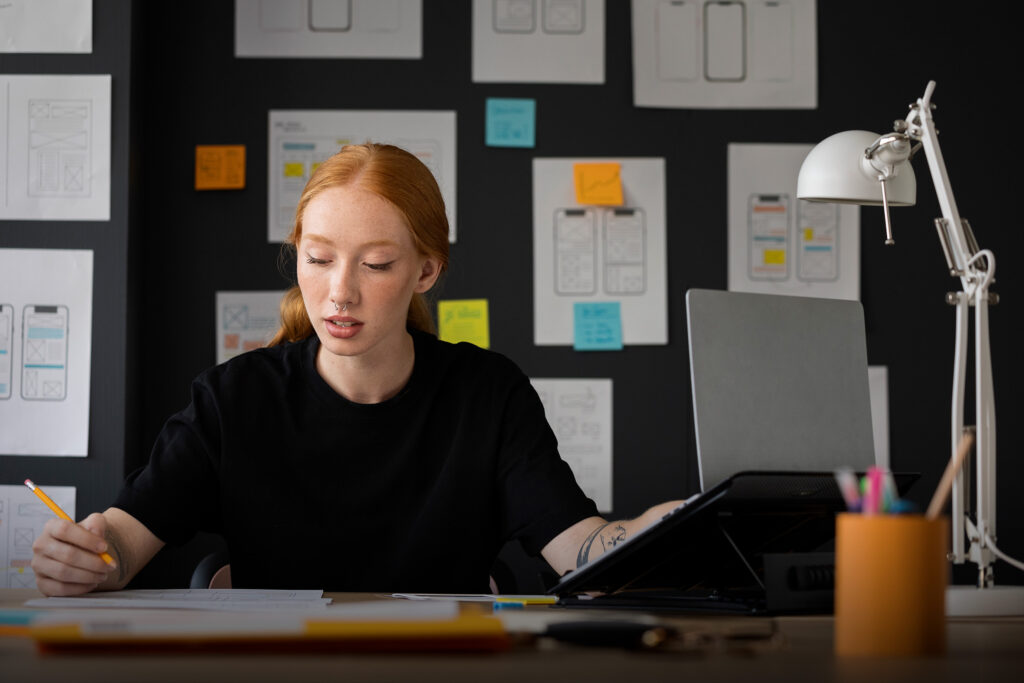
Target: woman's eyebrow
<point x="313" y="237"/>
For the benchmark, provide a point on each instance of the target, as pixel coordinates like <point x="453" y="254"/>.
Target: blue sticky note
<point x="510" y="123"/>
<point x="597" y="325"/>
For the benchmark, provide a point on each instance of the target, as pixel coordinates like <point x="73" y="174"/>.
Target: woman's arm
<point x="593" y="536"/>
<point x="65" y="556"/>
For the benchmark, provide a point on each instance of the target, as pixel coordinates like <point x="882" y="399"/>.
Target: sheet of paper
<point x="464" y="320"/>
<point x="598" y="326"/>
<point x="149" y="621"/>
<point x="599" y="183"/>
<point x="329" y="28"/>
<point x="587" y="253"/>
<point x="220" y="167"/>
<point x="538" y="41"/>
<point x="725" y="54"/>
<point x="878" y="386"/>
<point x="479" y="597"/>
<point x="779" y="244"/>
<point x="185" y="598"/>
<point x="246" y="321"/>
<point x="45" y="351"/>
<point x="22" y="516"/>
<point x="42" y="26"/>
<point x="580" y="413"/>
<point x="56" y="133"/>
<point x="300" y="140"/>
<point x="510" y="122"/>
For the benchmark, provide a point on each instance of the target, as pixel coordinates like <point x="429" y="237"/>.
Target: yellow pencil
<point x="60" y="513"/>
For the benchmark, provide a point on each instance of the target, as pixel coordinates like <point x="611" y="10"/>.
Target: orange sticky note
<point x="598" y="183"/>
<point x="220" y="167"/>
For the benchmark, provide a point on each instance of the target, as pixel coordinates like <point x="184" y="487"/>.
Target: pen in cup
<point x="63" y="515"/>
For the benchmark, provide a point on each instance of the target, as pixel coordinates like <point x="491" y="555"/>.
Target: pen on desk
<point x="60" y="513"/>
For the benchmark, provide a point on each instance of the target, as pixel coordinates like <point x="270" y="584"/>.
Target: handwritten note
<point x="464" y="320"/>
<point x="510" y="123"/>
<point x="220" y="167"/>
<point x="598" y="183"/>
<point x="597" y="326"/>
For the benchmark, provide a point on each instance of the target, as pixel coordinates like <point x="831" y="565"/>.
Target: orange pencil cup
<point x="890" y="592"/>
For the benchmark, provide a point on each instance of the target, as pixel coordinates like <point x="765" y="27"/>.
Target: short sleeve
<point x="540" y="496"/>
<point x="175" y="495"/>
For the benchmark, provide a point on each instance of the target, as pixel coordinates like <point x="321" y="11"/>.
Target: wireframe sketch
<point x="563" y="16"/>
<point x="59" y="148"/>
<point x="724" y="40"/>
<point x="625" y="251"/>
<point x="818" y="240"/>
<point x="44" y="353"/>
<point x="575" y="251"/>
<point x="725" y="44"/>
<point x="515" y="16"/>
<point x="768" y="228"/>
<point x="6" y="349"/>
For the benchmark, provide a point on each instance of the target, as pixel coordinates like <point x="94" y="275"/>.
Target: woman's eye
<point x="315" y="261"/>
<point x="379" y="266"/>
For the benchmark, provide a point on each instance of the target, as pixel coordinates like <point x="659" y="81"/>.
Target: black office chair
<point x="213" y="571"/>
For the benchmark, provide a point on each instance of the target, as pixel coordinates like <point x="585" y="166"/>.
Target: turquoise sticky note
<point x="510" y="123"/>
<point x="597" y="326"/>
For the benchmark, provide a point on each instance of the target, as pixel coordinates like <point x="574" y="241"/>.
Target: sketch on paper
<point x="580" y="413"/>
<point x="45" y="351"/>
<point x="58" y="161"/>
<point x="329" y="28"/>
<point x="725" y="53"/>
<point x="22" y="517"/>
<point x="779" y="244"/>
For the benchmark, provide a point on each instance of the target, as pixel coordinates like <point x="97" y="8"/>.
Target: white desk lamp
<point x="858" y="167"/>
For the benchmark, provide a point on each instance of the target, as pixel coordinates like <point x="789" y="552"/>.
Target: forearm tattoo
<point x="608" y="540"/>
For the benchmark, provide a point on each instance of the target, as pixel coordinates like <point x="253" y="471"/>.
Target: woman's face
<point x="357" y="250"/>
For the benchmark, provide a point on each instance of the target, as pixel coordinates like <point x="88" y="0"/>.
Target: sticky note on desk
<point x="464" y="320"/>
<point x="597" y="326"/>
<point x="598" y="183"/>
<point x="510" y="123"/>
<point x="220" y="167"/>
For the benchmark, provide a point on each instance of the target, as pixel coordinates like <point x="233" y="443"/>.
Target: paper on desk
<point x="173" y="622"/>
<point x="234" y="599"/>
<point x="479" y="597"/>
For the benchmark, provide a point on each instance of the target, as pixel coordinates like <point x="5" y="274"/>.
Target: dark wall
<point x="112" y="400"/>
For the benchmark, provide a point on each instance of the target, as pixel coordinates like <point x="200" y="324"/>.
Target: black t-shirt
<point x="417" y="493"/>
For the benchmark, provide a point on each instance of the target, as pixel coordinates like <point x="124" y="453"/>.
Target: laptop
<point x="779" y="383"/>
<point x="780" y="393"/>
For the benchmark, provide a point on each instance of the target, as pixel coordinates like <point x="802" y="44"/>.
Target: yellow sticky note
<point x="775" y="257"/>
<point x="808" y="234"/>
<point x="464" y="320"/>
<point x="294" y="169"/>
<point x="220" y="167"/>
<point x="598" y="183"/>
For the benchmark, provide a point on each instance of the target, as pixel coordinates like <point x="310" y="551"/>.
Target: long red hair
<point x="396" y="176"/>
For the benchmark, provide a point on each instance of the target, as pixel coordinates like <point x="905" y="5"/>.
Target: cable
<point x="1001" y="555"/>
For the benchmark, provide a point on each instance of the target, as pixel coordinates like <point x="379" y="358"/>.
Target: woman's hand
<point x="65" y="557"/>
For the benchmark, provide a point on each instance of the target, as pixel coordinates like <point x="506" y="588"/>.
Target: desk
<point x="978" y="651"/>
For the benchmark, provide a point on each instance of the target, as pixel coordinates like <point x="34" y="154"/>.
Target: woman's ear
<point x="428" y="274"/>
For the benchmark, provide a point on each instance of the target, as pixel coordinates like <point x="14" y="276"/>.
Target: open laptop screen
<point x="779" y="383"/>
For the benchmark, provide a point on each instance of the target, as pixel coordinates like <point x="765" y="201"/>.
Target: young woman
<point x="357" y="452"/>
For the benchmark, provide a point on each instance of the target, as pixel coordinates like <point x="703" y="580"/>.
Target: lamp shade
<point x="837" y="171"/>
